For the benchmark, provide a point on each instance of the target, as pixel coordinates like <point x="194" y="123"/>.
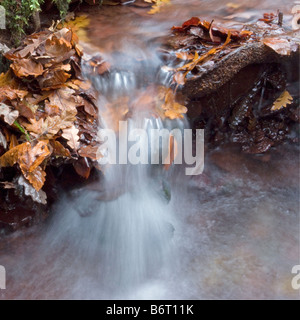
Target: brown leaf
<point x="59" y="150"/>
<point x="82" y="168"/>
<point x="90" y="152"/>
<point x="52" y="110"/>
<point x="11" y="157"/>
<point x="58" y="48"/>
<point x="71" y="134"/>
<point x="31" y="158"/>
<point x="280" y="46"/>
<point x="24" y="110"/>
<point x="11" y="94"/>
<point x="26" y="68"/>
<point x="172" y="109"/>
<point x="90" y="109"/>
<point x="30" y="45"/>
<point x="53" y="79"/>
<point x="13" y="141"/>
<point x="194" y="21"/>
<point x="37" y="178"/>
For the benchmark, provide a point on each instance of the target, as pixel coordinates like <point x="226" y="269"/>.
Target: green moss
<point x="62" y="6"/>
<point x="19" y="14"/>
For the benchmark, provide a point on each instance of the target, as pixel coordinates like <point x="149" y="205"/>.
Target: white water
<point x="236" y="236"/>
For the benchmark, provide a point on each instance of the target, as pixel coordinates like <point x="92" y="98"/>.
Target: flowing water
<point x="232" y="232"/>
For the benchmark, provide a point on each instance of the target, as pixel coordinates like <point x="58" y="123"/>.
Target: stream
<point x="230" y="233"/>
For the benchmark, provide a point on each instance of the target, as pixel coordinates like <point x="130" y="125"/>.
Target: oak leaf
<point x="71" y="135"/>
<point x="281" y="102"/>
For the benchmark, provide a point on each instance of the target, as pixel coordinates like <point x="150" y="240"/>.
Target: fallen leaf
<point x="184" y="55"/>
<point x="82" y="167"/>
<point x="10" y="116"/>
<point x="91" y="152"/>
<point x="59" y="150"/>
<point x="11" y="157"/>
<point x="26" y="68"/>
<point x="37" y="196"/>
<point x="172" y="109"/>
<point x="268" y="17"/>
<point x="8" y="185"/>
<point x="3" y="141"/>
<point x="173" y="150"/>
<point x="8" y="93"/>
<point x="179" y="78"/>
<point x="280" y="46"/>
<point x="71" y="135"/>
<point x="32" y="157"/>
<point x="37" y="178"/>
<point x="282" y="102"/>
<point x="157" y="5"/>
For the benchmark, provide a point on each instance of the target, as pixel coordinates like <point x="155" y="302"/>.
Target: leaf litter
<point x="46" y="109"/>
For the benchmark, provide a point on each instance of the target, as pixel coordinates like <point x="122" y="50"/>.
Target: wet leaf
<point x="59" y="150"/>
<point x="8" y="93"/>
<point x="30" y="158"/>
<point x="3" y="141"/>
<point x="8" y="185"/>
<point x="10" y="116"/>
<point x="37" y="178"/>
<point x="37" y="196"/>
<point x="184" y="55"/>
<point x="268" y="17"/>
<point x="26" y="68"/>
<point x="281" y="46"/>
<point x="173" y="150"/>
<point x="157" y="5"/>
<point x="282" y="102"/>
<point x="71" y="134"/>
<point x="91" y="152"/>
<point x="82" y="167"/>
<point x="53" y="79"/>
<point x="179" y="78"/>
<point x="172" y="109"/>
<point x="11" y="157"/>
<point x="78" y="26"/>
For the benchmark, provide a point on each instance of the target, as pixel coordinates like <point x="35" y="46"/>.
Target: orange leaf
<point x="11" y="157"/>
<point x="173" y="150"/>
<point x="26" y="68"/>
<point x="90" y="152"/>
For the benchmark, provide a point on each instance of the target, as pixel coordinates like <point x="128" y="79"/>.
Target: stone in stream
<point x="232" y="92"/>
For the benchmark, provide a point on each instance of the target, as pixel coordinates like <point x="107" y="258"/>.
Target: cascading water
<point x="236" y="226"/>
<point x="125" y="226"/>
